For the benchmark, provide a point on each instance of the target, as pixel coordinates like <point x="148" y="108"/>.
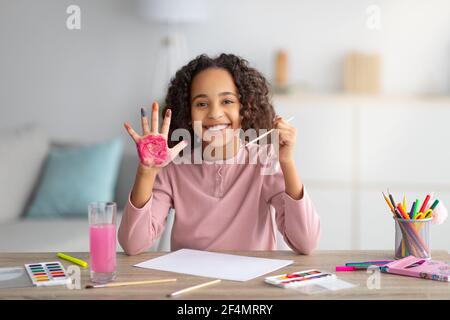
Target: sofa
<point x="71" y="234"/>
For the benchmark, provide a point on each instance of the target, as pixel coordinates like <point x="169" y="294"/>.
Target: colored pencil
<point x="176" y="293"/>
<point x="404" y="204"/>
<point x="389" y="203"/>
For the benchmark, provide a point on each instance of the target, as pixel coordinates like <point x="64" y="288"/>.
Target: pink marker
<point x="345" y="268"/>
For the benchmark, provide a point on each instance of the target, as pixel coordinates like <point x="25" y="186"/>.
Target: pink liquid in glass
<point x="103" y="248"/>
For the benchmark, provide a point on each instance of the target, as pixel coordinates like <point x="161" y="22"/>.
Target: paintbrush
<point x="265" y="134"/>
<point x="131" y="283"/>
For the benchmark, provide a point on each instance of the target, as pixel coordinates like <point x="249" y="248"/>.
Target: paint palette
<point x="47" y="274"/>
<point x="297" y="279"/>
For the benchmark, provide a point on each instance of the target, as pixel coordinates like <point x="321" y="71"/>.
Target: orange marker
<point x="402" y="211"/>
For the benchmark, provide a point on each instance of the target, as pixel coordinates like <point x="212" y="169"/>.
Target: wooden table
<point x="391" y="286"/>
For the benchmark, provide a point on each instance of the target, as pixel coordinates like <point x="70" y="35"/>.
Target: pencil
<point x="404" y="204"/>
<point x="130" y="283"/>
<point x="176" y="293"/>
<point x="393" y="204"/>
<point x="389" y="203"/>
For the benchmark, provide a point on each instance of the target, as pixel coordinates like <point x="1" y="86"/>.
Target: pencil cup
<point x="102" y="241"/>
<point x="412" y="237"/>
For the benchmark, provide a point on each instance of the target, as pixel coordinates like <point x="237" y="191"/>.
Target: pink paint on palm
<point x="152" y="150"/>
<point x="103" y="247"/>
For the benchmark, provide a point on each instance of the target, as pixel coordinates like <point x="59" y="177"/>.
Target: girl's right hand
<point x="152" y="146"/>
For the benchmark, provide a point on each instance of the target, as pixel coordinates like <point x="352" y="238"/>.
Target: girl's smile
<point x="217" y="127"/>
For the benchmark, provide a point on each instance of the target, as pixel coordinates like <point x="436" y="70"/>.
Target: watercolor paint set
<point x="47" y="274"/>
<point x="309" y="282"/>
<point x="297" y="279"/>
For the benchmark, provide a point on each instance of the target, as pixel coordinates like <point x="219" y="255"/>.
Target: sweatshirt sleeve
<point x="140" y="227"/>
<point x="297" y="220"/>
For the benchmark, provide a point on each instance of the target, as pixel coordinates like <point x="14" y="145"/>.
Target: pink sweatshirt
<point x="222" y="206"/>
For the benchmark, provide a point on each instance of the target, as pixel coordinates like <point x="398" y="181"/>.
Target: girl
<point x="219" y="205"/>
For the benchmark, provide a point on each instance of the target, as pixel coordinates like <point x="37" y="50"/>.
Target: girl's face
<point x="215" y="106"/>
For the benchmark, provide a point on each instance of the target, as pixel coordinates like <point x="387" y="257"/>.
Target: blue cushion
<point x="75" y="176"/>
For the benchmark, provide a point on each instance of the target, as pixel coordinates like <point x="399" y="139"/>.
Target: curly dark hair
<point x="256" y="110"/>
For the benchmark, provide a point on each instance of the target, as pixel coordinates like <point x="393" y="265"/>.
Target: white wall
<point x="81" y="85"/>
<point x="351" y="148"/>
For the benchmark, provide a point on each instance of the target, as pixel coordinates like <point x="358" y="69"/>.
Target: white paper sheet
<point x="214" y="265"/>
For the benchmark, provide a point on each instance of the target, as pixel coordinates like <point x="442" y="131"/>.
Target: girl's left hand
<point x="287" y="137"/>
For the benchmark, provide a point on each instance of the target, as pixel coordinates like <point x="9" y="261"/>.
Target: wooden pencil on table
<point x="202" y="285"/>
